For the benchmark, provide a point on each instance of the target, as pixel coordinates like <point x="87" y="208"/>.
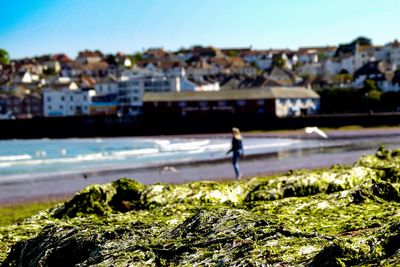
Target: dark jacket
<point x="237" y="145"/>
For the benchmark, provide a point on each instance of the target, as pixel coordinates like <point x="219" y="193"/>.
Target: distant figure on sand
<point x="237" y="149"/>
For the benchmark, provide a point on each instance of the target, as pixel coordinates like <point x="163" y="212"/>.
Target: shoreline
<point x="65" y="186"/>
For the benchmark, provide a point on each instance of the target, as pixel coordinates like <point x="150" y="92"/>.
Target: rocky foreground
<point x="342" y="216"/>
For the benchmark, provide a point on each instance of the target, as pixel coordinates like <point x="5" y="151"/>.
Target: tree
<point x="4" y="57"/>
<point x="110" y="59"/>
<point x="136" y="57"/>
<point x="278" y="61"/>
<point x="232" y="53"/>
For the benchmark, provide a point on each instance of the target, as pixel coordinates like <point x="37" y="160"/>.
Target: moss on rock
<point x="342" y="216"/>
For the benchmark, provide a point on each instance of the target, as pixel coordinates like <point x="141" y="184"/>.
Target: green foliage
<point x="362" y="40"/>
<point x="110" y="59"/>
<point x="278" y="61"/>
<point x="136" y="57"/>
<point x="16" y="213"/>
<point x="232" y="53"/>
<point x="4" y="57"/>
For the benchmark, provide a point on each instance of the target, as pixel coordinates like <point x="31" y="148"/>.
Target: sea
<point x="38" y="158"/>
<point x="44" y="157"/>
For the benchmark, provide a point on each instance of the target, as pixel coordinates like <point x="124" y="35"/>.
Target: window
<point x="49" y="107"/>
<point x="241" y="102"/>
<point x="84" y="98"/>
<point x="61" y="106"/>
<point x="181" y="104"/>
<point x="62" y="98"/>
<point x="203" y="104"/>
<point x="48" y="99"/>
<point x="260" y="102"/>
<point x="135" y="99"/>
<point x="71" y="98"/>
<point x="71" y="108"/>
<point x="222" y="103"/>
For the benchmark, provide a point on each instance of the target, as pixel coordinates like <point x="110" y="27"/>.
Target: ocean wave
<point x="183" y="146"/>
<point x="136" y="152"/>
<point x="15" y="157"/>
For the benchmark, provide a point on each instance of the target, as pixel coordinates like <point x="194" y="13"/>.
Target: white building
<point x="332" y="66"/>
<point x="263" y="59"/>
<point x="108" y="85"/>
<point x="198" y="86"/>
<point x="66" y="102"/>
<point x="311" y="69"/>
<point x="394" y="53"/>
<point x="130" y="96"/>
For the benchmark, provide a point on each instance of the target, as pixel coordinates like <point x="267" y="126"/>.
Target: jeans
<point x="235" y="162"/>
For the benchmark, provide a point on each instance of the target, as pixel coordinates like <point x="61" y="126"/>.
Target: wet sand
<point x="63" y="186"/>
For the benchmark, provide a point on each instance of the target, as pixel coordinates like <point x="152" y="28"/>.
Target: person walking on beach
<point x="237" y="150"/>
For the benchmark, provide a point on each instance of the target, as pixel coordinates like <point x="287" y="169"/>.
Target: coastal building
<point x="66" y="102"/>
<point x="14" y="105"/>
<point x="32" y="106"/>
<point x="270" y="101"/>
<point x="379" y="71"/>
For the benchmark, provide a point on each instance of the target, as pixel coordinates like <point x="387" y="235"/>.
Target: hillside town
<point x="279" y="82"/>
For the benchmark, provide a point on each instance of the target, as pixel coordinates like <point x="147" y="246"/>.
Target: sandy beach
<point x="63" y="186"/>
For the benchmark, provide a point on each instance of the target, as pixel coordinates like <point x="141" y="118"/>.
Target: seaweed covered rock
<point x="52" y="244"/>
<point x="342" y="216"/>
<point x="385" y="162"/>
<point x="305" y="183"/>
<point x="91" y="200"/>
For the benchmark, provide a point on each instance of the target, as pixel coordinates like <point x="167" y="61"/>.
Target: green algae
<point x="342" y="216"/>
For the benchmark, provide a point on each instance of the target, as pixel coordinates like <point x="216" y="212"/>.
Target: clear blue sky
<point x="35" y="27"/>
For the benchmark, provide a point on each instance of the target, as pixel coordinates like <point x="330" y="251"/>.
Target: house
<point x="3" y="104"/>
<point x="191" y="85"/>
<point x="63" y="101"/>
<point x="269" y="101"/>
<point x="107" y="85"/>
<point x="14" y="105"/>
<point x="198" y="67"/>
<point x="331" y="66"/>
<point x="261" y="58"/>
<point x="97" y="69"/>
<point x="71" y="69"/>
<point x="379" y="71"/>
<point x="363" y="54"/>
<point x="156" y="53"/>
<point x="32" y="105"/>
<point x="130" y="94"/>
<point x="206" y="52"/>
<point x="396" y="81"/>
<point x="312" y="69"/>
<point x="307" y="55"/>
<point x="88" y="57"/>
<point x="393" y="53"/>
<point x="105" y="104"/>
<point x="283" y="76"/>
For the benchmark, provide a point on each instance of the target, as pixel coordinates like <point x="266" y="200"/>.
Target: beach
<point x="360" y="142"/>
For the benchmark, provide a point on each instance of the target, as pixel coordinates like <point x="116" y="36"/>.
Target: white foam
<point x="15" y="157"/>
<point x="136" y="152"/>
<point x="184" y="146"/>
